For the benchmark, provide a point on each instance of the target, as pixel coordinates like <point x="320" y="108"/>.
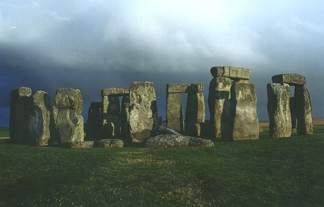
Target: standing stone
<point x="113" y="116"/>
<point x="304" y="110"/>
<point x="14" y="96"/>
<point x="94" y="120"/>
<point x="174" y="116"/>
<point x="67" y="115"/>
<point x="245" y="123"/>
<point x="293" y="112"/>
<point x="219" y="106"/>
<point x="23" y="108"/>
<point x="195" y="109"/>
<point x="125" y="116"/>
<point x="41" y="119"/>
<point x="279" y="110"/>
<point x="143" y="115"/>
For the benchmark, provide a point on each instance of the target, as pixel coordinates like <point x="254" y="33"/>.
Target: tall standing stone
<point x="67" y="115"/>
<point x="94" y="120"/>
<point x="41" y="119"/>
<point x="245" y="122"/>
<point x="17" y="119"/>
<point x="143" y="114"/>
<point x="279" y="110"/>
<point x="219" y="106"/>
<point x="125" y="116"/>
<point x="175" y="116"/>
<point x="304" y="110"/>
<point x="113" y="115"/>
<point x="195" y="109"/>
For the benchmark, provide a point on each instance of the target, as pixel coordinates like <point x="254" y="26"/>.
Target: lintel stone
<point x="290" y="78"/>
<point x="114" y="91"/>
<point x="185" y="88"/>
<point x="231" y="72"/>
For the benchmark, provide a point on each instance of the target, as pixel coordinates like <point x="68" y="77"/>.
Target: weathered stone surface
<point x="279" y="110"/>
<point x="113" y="116"/>
<point x="245" y="122"/>
<point x="143" y="115"/>
<point x="94" y="123"/>
<point x="170" y="140"/>
<point x="110" y="143"/>
<point x="69" y="125"/>
<point x="293" y="113"/>
<point x="200" y="129"/>
<point x="290" y="78"/>
<point x="185" y="88"/>
<point x="69" y="98"/>
<point x="304" y="111"/>
<point x="219" y="106"/>
<point x="231" y="72"/>
<point x="195" y="109"/>
<point x="14" y="96"/>
<point x="84" y="144"/>
<point x="115" y="91"/>
<point x="175" y="115"/>
<point x="167" y="130"/>
<point x="41" y="119"/>
<point x="125" y="116"/>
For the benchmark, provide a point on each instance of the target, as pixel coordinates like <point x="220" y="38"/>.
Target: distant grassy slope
<point x="265" y="172"/>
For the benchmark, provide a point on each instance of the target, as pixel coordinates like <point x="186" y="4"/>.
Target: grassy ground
<point x="265" y="172"/>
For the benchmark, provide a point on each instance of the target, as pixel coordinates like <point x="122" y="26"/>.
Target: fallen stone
<point x="110" y="143"/>
<point x="170" y="140"/>
<point x="290" y="78"/>
<point x="167" y="130"/>
<point x="231" y="72"/>
<point x="83" y="144"/>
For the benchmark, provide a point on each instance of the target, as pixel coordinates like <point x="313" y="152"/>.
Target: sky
<point x="92" y="45"/>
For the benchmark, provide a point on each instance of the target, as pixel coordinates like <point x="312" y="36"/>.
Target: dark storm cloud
<point x="93" y="45"/>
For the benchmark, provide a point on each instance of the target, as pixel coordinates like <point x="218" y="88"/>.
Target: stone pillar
<point x="279" y="110"/>
<point x="67" y="115"/>
<point x="219" y="106"/>
<point x="113" y="115"/>
<point x="293" y="112"/>
<point x="41" y="119"/>
<point x="18" y="120"/>
<point x="125" y="116"/>
<point x="174" y="111"/>
<point x="143" y="114"/>
<point x="245" y="122"/>
<point x="304" y="110"/>
<point x="94" y="120"/>
<point x="195" y="109"/>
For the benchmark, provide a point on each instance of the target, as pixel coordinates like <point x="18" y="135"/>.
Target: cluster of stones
<point x="285" y="111"/>
<point x="232" y="104"/>
<point x="195" y="107"/>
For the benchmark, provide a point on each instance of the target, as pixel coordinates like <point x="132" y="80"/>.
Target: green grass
<point x="265" y="172"/>
<point x="4" y="132"/>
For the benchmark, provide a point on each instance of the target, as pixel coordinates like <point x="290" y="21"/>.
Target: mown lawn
<point x="265" y="172"/>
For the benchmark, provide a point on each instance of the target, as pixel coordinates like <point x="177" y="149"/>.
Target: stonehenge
<point x="195" y="108"/>
<point x="232" y="104"/>
<point x="284" y="111"/>
<point x="132" y="113"/>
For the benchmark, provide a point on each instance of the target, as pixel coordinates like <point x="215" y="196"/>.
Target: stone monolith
<point x="304" y="110"/>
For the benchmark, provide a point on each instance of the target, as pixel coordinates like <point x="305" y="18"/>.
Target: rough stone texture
<point x="125" y="116"/>
<point x="200" y="129"/>
<point x="185" y="88"/>
<point x="167" y="130"/>
<point x="293" y="113"/>
<point x="143" y="114"/>
<point x="14" y="96"/>
<point x="175" y="115"/>
<point x="195" y="109"/>
<point x="114" y="91"/>
<point x="279" y="110"/>
<point x="219" y="106"/>
<point x="69" y="98"/>
<point x="245" y="122"/>
<point x="84" y="144"/>
<point x="94" y="123"/>
<point x="41" y="119"/>
<point x="291" y="79"/>
<point x="21" y="133"/>
<point x="231" y="72"/>
<point x="110" y="143"/>
<point x="170" y="140"/>
<point x="304" y="111"/>
<point x="113" y="116"/>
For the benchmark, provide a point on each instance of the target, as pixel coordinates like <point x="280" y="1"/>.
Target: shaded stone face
<point x="231" y="72"/>
<point x="94" y="120"/>
<point x="125" y="116"/>
<point x="113" y="116"/>
<point x="69" y="98"/>
<point x="303" y="111"/>
<point x="143" y="115"/>
<point x="244" y="118"/>
<point x="279" y="110"/>
<point x="175" y="116"/>
<point x="21" y="130"/>
<point x="195" y="109"/>
<point x="291" y="79"/>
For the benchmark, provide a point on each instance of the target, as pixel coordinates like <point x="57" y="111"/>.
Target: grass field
<point x="265" y="172"/>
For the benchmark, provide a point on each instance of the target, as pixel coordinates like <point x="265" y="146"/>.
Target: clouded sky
<point x="92" y="45"/>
